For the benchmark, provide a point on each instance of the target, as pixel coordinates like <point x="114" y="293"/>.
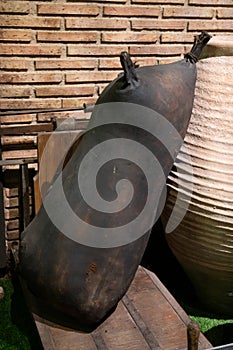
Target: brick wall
<point x="61" y="53"/>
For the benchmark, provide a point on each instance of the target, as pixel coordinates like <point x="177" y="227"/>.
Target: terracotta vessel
<point x="202" y="178"/>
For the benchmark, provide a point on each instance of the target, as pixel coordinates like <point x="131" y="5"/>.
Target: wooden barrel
<point x="201" y="184"/>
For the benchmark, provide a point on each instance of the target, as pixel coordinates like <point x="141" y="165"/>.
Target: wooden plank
<point x="51" y="142"/>
<point x="142" y="326"/>
<point x="203" y="342"/>
<point x="148" y="317"/>
<point x="121" y="332"/>
<point x="61" y="339"/>
<point x="52" y="149"/>
<point x="157" y="313"/>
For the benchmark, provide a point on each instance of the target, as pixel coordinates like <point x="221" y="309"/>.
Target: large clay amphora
<point x="201" y="184"/>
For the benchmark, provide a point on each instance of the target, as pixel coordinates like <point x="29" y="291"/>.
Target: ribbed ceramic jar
<point x="203" y="179"/>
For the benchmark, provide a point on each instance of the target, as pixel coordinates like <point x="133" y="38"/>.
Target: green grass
<point x="218" y="331"/>
<point x="17" y="328"/>
<point x="208" y="323"/>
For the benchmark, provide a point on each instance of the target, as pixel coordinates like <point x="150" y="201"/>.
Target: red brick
<point x="225" y="13"/>
<point x="188" y="12"/>
<point x="14" y="64"/>
<point x="97" y="23"/>
<point x="83" y="90"/>
<point x="158" y="24"/>
<point x="109" y="63"/>
<point x="11" y="192"/>
<point x="101" y="1"/>
<point x="95" y="50"/>
<point x="19" y="154"/>
<point x="29" y="103"/>
<point x="81" y="63"/>
<point x="18" y="140"/>
<point x="46" y="117"/>
<point x="29" y="22"/>
<point x="130" y="11"/>
<point x="68" y="9"/>
<point x="15" y="35"/>
<point x="165" y="50"/>
<point x="145" y="61"/>
<point x="9" y="203"/>
<point x="17" y="119"/>
<point x="11" y="235"/>
<point x="13" y="213"/>
<point x="210" y="2"/>
<point x="130" y="37"/>
<point x="214" y="25"/>
<point x="164" y="2"/>
<point x="30" y="50"/>
<point x="14" y="7"/>
<point x="12" y="225"/>
<point x="14" y="92"/>
<point x="67" y="36"/>
<point x="78" y="102"/>
<point x="177" y="37"/>
<point x="92" y="76"/>
<point x="15" y="78"/>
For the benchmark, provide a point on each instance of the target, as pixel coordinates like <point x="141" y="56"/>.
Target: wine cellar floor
<point x="148" y="317"/>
